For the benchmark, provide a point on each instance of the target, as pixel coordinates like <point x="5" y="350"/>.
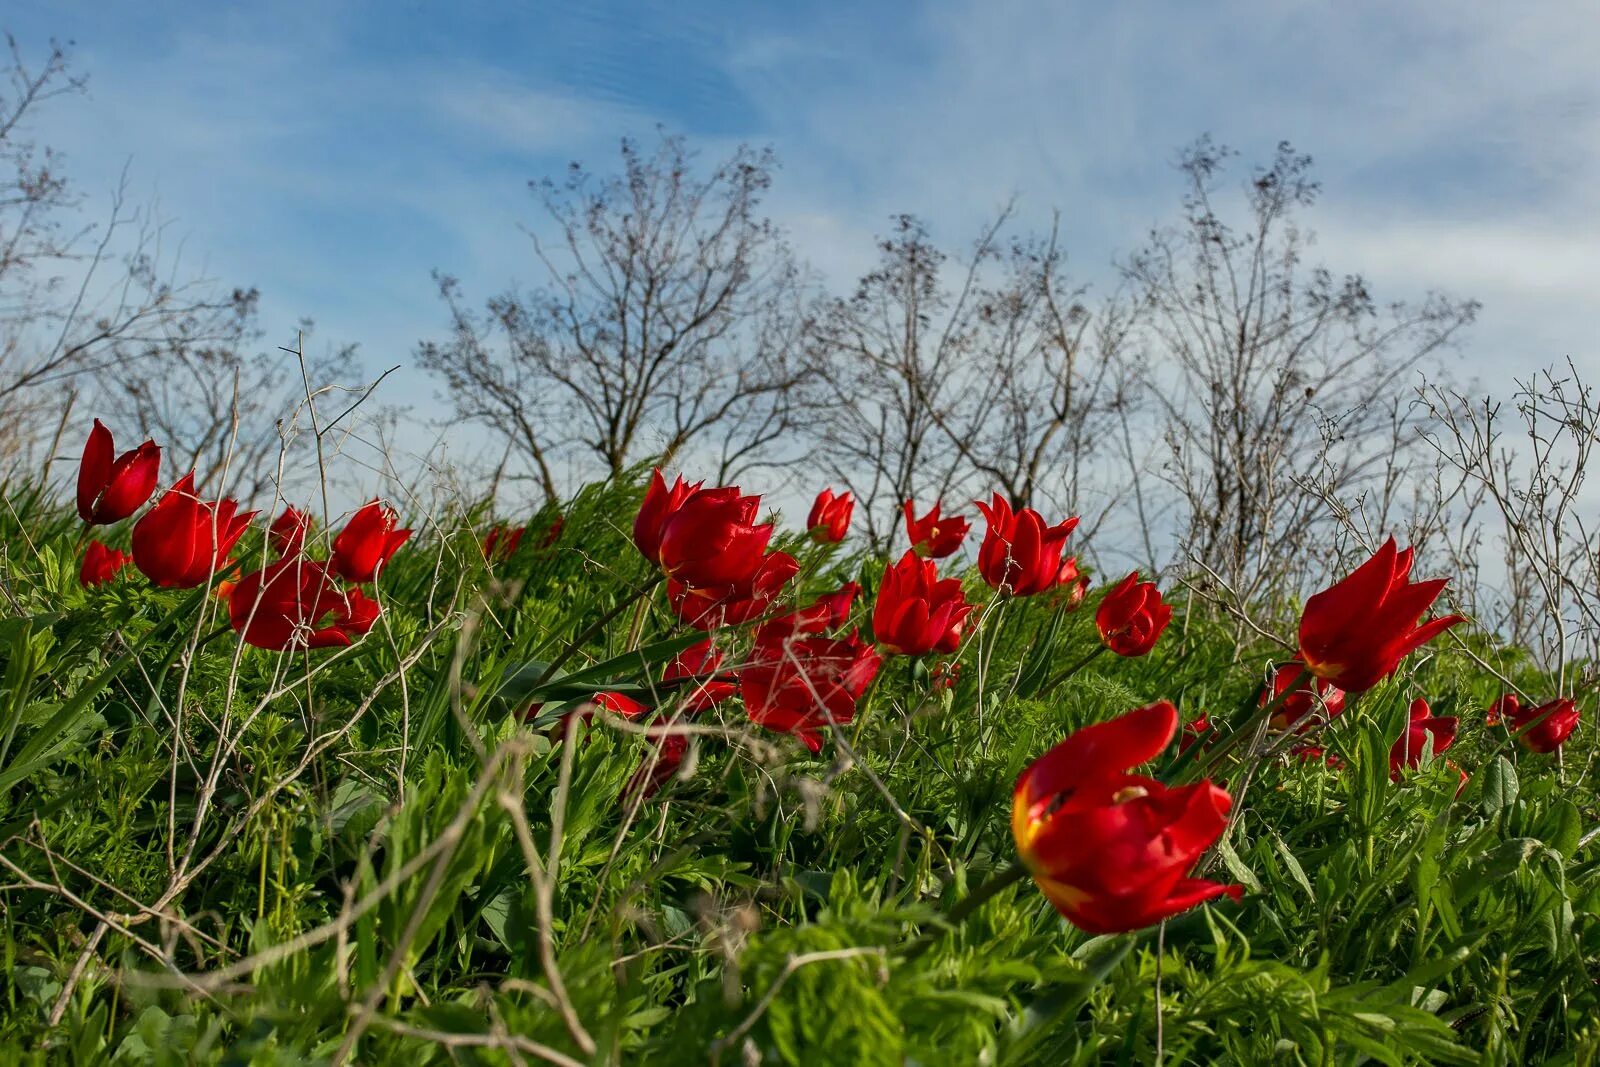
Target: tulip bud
<point x="112" y="487"/>
<point x="1132" y="617"/>
<point x="183" y="540"/>
<point x="367" y="542"/>
<point x="830" y="517"/>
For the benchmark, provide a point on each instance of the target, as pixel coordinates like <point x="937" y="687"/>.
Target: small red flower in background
<point x="1312" y="753"/>
<point x="287" y="534"/>
<point x="1355" y="633"/>
<point x="1132" y="617"/>
<point x="1193" y="731"/>
<point x="295" y="603"/>
<point x="1420" y="726"/>
<point x="367" y="543"/>
<point x="183" y="540"/>
<point x="501" y="542"/>
<point x="808" y="684"/>
<point x="1553" y="722"/>
<point x="828" y="612"/>
<point x="918" y="612"/>
<point x="707" y="609"/>
<point x="1499" y="708"/>
<point x="712" y="541"/>
<point x="553" y="534"/>
<point x="830" y="517"/>
<point x="1020" y="555"/>
<point x="701" y="662"/>
<point x="1112" y="850"/>
<point x="946" y="675"/>
<point x="932" y="536"/>
<point x="654" y="773"/>
<point x="101" y="564"/>
<point x="1304" y="700"/>
<point x="112" y="487"/>
<point x="659" y="505"/>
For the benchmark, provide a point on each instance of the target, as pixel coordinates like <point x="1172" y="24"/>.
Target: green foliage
<point x="386" y="855"/>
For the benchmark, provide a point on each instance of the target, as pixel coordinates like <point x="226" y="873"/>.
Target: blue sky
<point x="335" y="153"/>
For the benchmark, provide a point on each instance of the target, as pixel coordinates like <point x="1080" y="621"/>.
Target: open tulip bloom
<point x="807" y="684"/>
<point x="1355" y="633"/>
<point x="1132" y="617"/>
<point x="296" y="603"/>
<point x="712" y="541"/>
<point x="933" y="536"/>
<point x="917" y="612"/>
<point x="1544" y="728"/>
<point x="660" y="504"/>
<point x="112" y="487"/>
<point x="1020" y="555"/>
<point x="1422" y="729"/>
<point x="367" y="542"/>
<point x="183" y="540"/>
<point x="101" y="564"/>
<point x="1110" y="849"/>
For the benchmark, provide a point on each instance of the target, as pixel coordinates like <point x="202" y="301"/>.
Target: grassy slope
<point x="356" y="841"/>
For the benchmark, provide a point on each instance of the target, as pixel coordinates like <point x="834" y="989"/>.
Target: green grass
<point x="226" y="855"/>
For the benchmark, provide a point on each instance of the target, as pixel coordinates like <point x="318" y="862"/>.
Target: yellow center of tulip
<point x="1127" y="793"/>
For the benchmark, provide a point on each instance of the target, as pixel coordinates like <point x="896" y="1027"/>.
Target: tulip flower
<point x="707" y="609"/>
<point x="808" y="684"/>
<point x="917" y="612"/>
<point x="1551" y="723"/>
<point x="1315" y="695"/>
<point x="367" y="542"/>
<point x="288" y="531"/>
<point x="934" y="537"/>
<point x="828" y="612"/>
<point x="501" y="542"/>
<point x="656" y="772"/>
<point x="101" y="564"/>
<point x="183" y="540"/>
<point x="701" y="662"/>
<point x="553" y="533"/>
<point x="1420" y="726"/>
<point x="1193" y="731"/>
<point x="295" y="603"/>
<point x="660" y="504"/>
<point x="112" y="487"/>
<point x="1132" y="616"/>
<point x="1110" y="849"/>
<point x="1355" y="633"/>
<point x="830" y="517"/>
<point x="1020" y="555"/>
<point x="712" y="541"/>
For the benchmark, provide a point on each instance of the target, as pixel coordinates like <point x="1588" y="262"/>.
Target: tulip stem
<point x="1070" y="671"/>
<point x="969" y="904"/>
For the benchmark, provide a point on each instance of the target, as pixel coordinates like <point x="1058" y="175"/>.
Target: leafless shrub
<point x="1268" y="377"/>
<point x="668" y="318"/>
<point x="1527" y="469"/>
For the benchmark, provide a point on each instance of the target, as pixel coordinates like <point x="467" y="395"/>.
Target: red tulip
<point x="553" y="534"/>
<point x="367" y="542"/>
<point x="701" y="662"/>
<point x="917" y="612"/>
<point x="660" y="504"/>
<point x="828" y="612"/>
<point x="671" y="748"/>
<point x="1020" y="555"/>
<point x="712" y="541"/>
<point x="183" y="540"/>
<point x="1132" y="617"/>
<point x="707" y="609"/>
<point x="1553" y="722"/>
<point x="1112" y="850"/>
<point x="946" y="675"/>
<point x="295" y="603"/>
<point x="288" y="531"/>
<point x="932" y="536"/>
<point x="1303" y="701"/>
<point x="808" y="684"/>
<point x="1355" y="633"/>
<point x="1192" y="732"/>
<point x="112" y="487"/>
<point x="830" y="517"/>
<point x="1313" y="753"/>
<point x="1422" y="723"/>
<point x="101" y="564"/>
<point x="501" y="542"/>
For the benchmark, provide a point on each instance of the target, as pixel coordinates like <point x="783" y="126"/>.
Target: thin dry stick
<point x="505" y="1042"/>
